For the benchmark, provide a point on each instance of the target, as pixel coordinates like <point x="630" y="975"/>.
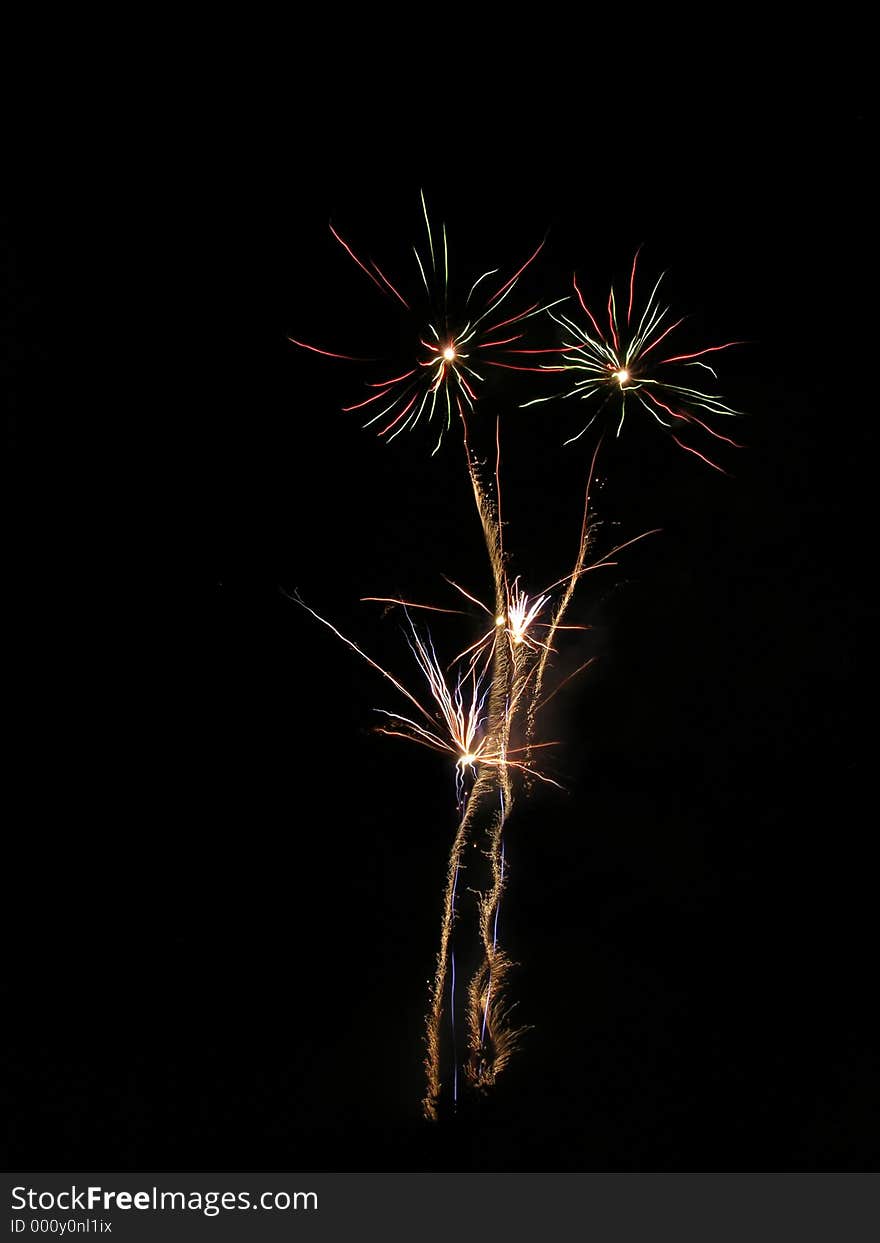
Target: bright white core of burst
<point x="449" y="353"/>
<point x="621" y="377"/>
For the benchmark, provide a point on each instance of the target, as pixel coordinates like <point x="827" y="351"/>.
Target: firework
<point x="474" y="708"/>
<point x="623" y="367"/>
<point x="462" y="725"/>
<point x="455" y="340"/>
<point x="518" y="622"/>
<point x="458" y="726"/>
<point x="479" y="711"/>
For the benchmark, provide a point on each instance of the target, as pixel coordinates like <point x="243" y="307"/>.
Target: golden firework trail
<point x="461" y="727"/>
<point x="492" y="1038"/>
<point x="470" y="717"/>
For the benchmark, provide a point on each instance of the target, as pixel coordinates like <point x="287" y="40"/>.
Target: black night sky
<point x="230" y="905"/>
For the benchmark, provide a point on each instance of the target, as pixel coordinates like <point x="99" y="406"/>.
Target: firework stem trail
<point x="494" y="935"/>
<point x="489" y="781"/>
<point x="486" y="1013"/>
<point x="492" y="1039"/>
<point x="562" y="607"/>
<point x="434" y="1023"/>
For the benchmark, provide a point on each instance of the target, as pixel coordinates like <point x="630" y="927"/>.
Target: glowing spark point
<point x="522" y="613"/>
<point x="499" y="620"/>
<point x="449" y="353"/>
<point x="621" y="377"/>
<point x="467" y="759"/>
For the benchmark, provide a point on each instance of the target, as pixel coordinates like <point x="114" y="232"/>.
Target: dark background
<point x="228" y="907"/>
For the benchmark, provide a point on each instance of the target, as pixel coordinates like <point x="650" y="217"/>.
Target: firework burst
<point x="518" y="622"/>
<point x="620" y="367"/>
<point x="458" y="725"/>
<point x="455" y="341"/>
